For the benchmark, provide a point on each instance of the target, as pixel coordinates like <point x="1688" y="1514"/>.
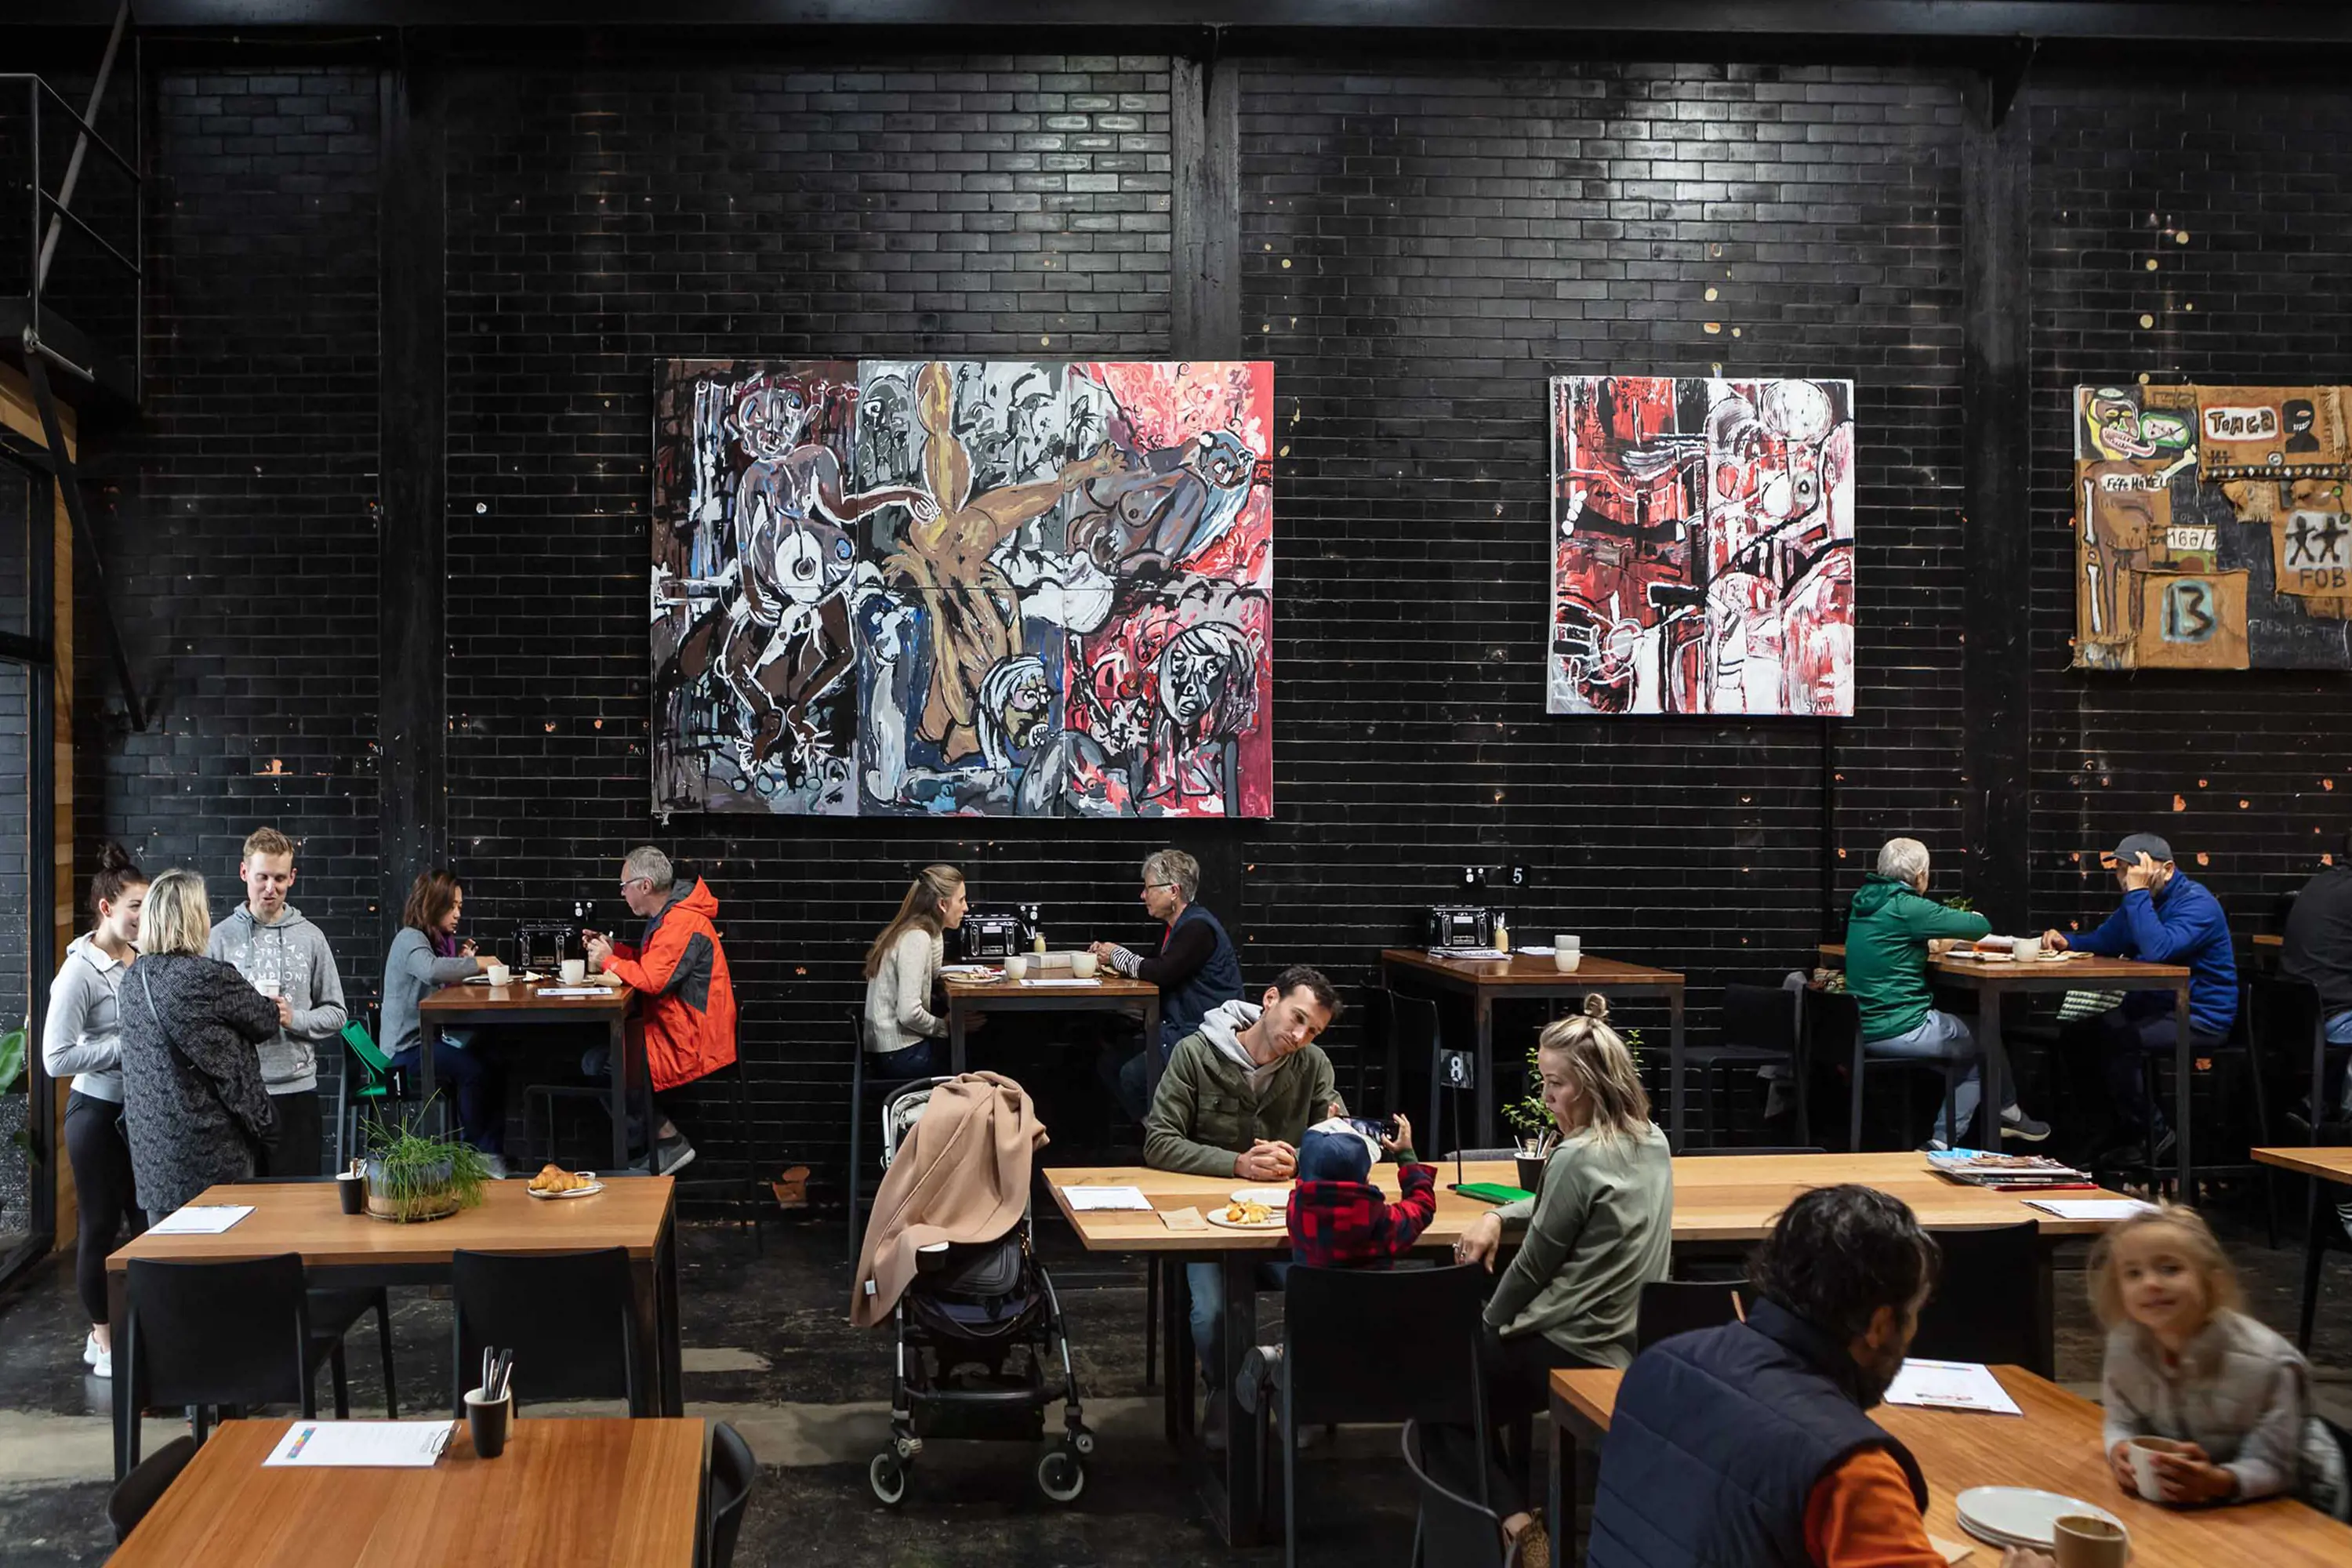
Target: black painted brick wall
<point x="235" y="517"/>
<point x="2241" y="201"/>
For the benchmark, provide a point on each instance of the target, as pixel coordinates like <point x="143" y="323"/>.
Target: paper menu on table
<point x="569" y="991"/>
<point x="1951" y="1386"/>
<point x="1089" y="1200"/>
<point x="1063" y="982"/>
<point x="362" y="1444"/>
<point x="200" y="1219"/>
<point x="1949" y="1550"/>
<point x="2090" y="1208"/>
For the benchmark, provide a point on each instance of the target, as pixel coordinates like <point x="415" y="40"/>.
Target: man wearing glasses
<point x="680" y="970"/>
<point x="1195" y="968"/>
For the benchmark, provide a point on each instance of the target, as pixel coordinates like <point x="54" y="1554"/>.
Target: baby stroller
<point x="962" y="1327"/>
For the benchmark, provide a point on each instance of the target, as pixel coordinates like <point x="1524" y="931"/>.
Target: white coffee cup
<point x="1563" y="943"/>
<point x="1566" y="959"/>
<point x="575" y="969"/>
<point x="2027" y="948"/>
<point x="269" y="986"/>
<point x="2143" y="1452"/>
<point x="1016" y="968"/>
<point x="1082" y="965"/>
<point x="499" y="974"/>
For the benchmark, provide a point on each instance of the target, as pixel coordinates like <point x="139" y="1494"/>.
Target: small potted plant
<point x="1532" y="1122"/>
<point x="17" y="1172"/>
<point x="412" y="1177"/>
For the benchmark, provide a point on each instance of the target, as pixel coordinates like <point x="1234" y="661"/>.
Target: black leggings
<point x="1518" y="1384"/>
<point x="104" y="1191"/>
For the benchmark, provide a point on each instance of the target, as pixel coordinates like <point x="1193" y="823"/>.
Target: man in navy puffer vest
<point x="1747" y="1445"/>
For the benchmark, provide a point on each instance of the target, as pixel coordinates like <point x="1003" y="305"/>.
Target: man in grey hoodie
<point x="287" y="958"/>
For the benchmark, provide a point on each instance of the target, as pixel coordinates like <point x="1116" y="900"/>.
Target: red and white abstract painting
<point x="1702" y="551"/>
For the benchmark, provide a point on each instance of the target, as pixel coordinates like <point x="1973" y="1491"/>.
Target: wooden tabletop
<point x="2111" y="971"/>
<point x="1104" y="984"/>
<point x="306" y="1218"/>
<point x="1528" y="971"/>
<point x="2329" y="1163"/>
<point x="514" y="1000"/>
<point x="1724" y="1199"/>
<point x="573" y="1493"/>
<point x="2056" y="1446"/>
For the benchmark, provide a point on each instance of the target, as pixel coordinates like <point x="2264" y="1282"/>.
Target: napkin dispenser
<point x="1453" y="926"/>
<point x="991" y="936"/>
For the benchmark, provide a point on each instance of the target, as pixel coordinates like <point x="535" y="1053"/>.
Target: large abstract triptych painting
<point x="1702" y="552"/>
<point x="2211" y="528"/>
<point x="963" y="588"/>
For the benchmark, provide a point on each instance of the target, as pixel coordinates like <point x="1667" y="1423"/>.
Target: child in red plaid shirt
<point x="1337" y="1218"/>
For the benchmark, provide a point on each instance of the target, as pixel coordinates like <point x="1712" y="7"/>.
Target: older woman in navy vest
<point x="1195" y="967"/>
<point x="1749" y="1444"/>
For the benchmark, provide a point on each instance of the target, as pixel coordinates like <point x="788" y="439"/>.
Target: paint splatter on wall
<point x="1702" y="546"/>
<point x="965" y="588"/>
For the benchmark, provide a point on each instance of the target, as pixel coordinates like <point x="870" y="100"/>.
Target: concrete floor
<point x="767" y="1347"/>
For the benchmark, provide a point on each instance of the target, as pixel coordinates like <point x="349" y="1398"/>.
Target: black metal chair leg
<point x="383" y="1341"/>
<point x="1150" y="1321"/>
<point x="856" y="1124"/>
<point x="751" y="1158"/>
<point x="343" y="1381"/>
<point x="2315" y="1254"/>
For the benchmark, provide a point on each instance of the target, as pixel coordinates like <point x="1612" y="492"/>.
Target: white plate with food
<point x="1271" y="1197"/>
<point x="2020" y="1516"/>
<point x="1249" y="1216"/>
<point x="553" y="1182"/>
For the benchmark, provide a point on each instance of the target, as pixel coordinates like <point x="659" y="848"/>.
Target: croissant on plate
<point x="553" y="1178"/>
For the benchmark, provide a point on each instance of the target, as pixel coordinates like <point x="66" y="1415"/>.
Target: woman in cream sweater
<point x="901" y="968"/>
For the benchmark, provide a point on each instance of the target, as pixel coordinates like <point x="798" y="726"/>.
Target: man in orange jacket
<point x="680" y="970"/>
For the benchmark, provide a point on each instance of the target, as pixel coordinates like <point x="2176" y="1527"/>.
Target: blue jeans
<point x="1939" y="1037"/>
<point x="481" y="1110"/>
<point x="1205" y="1283"/>
<point x="908" y="1061"/>
<point x="2129" y="1036"/>
<point x="2339" y="1033"/>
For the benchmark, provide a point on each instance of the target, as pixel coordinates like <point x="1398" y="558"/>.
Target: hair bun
<point x="1596" y="1006"/>
<point x="112" y="856"/>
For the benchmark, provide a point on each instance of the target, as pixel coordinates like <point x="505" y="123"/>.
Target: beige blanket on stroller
<point x="962" y="1174"/>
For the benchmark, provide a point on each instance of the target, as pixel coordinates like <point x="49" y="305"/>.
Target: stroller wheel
<point x="1061" y="1476"/>
<point x="888" y="1477"/>
<point x="1083" y="1441"/>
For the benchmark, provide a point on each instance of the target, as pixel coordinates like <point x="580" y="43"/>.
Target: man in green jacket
<point x="1891" y="932"/>
<point x="1235" y="1099"/>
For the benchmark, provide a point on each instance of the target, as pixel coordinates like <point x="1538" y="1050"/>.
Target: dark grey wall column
<point x="413" y="717"/>
<point x="1995" y="401"/>
<point x="1205" y="108"/>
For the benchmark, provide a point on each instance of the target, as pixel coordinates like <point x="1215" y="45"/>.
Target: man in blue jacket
<point x="2166" y="918"/>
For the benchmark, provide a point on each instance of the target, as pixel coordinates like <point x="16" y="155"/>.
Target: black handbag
<point x="262" y="1143"/>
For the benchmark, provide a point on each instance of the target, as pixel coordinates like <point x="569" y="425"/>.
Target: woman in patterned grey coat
<point x="193" y="1102"/>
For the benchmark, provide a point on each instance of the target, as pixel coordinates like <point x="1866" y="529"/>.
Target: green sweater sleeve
<point x="1557" y="1217"/>
<point x="1929" y="921"/>
<point x="1167" y="1142"/>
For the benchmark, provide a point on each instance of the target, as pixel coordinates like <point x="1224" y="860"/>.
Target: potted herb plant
<point x="411" y="1177"/>
<point x="16" y="1168"/>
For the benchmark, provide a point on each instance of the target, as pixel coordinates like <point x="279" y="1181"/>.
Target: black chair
<point x="1984" y="1307"/>
<point x="144" y="1487"/>
<point x="1760" y="1029"/>
<point x="335" y="1313"/>
<point x="1450" y="1530"/>
<point x="566" y="1316"/>
<point x="1415" y="1037"/>
<point x="755" y="1197"/>
<point x="207" y="1335"/>
<point x="2220" y="1120"/>
<point x="1671" y="1307"/>
<point x="1953" y="1069"/>
<point x="1341" y="1328"/>
<point x="732" y="1471"/>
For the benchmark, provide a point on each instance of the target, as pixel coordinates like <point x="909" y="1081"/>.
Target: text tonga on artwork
<point x="1702" y="550"/>
<point x="963" y="588"/>
<point x="2210" y="529"/>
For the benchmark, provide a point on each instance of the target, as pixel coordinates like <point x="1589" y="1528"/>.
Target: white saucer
<point x="2020" y="1516"/>
<point x="1271" y="1197"/>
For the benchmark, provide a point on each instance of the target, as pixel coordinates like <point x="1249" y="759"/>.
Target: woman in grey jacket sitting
<point x="901" y="969"/>
<point x="193" y="1102"/>
<point x="82" y="1038"/>
<point x="1601" y="1229"/>
<point x="425" y="956"/>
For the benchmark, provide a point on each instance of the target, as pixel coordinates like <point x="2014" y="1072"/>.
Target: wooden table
<point x="564" y="1494"/>
<point x="1992" y="980"/>
<point x="1106" y="993"/>
<point x="508" y="1007"/>
<point x="1524" y="977"/>
<point x="1720" y="1204"/>
<point x="2330" y="1164"/>
<point x="2055" y="1446"/>
<point x="636" y="1212"/>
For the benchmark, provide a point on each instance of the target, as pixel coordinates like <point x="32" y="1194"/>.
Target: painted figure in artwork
<point x="943" y="561"/>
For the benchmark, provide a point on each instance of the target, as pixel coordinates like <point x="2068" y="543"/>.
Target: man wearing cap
<point x="2166" y="918"/>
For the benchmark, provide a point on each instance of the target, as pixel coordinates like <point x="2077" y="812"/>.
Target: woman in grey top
<point x="901" y="969"/>
<point x="193" y="1102"/>
<point x="82" y="1038"/>
<point x="425" y="956"/>
<point x="1601" y="1229"/>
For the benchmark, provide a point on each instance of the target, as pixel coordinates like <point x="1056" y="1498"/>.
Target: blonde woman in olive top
<point x="1601" y="1228"/>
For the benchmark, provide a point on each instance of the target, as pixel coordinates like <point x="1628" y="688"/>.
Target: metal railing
<point x="49" y="217"/>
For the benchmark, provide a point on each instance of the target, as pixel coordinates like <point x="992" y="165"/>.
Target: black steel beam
<point x="1204" y="304"/>
<point x="68" y="483"/>
<point x="2256" y="22"/>
<point x="1996" y="432"/>
<point x="412" y="524"/>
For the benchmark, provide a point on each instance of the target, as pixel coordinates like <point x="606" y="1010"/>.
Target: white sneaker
<point x="498" y="1166"/>
<point x="99" y="1361"/>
